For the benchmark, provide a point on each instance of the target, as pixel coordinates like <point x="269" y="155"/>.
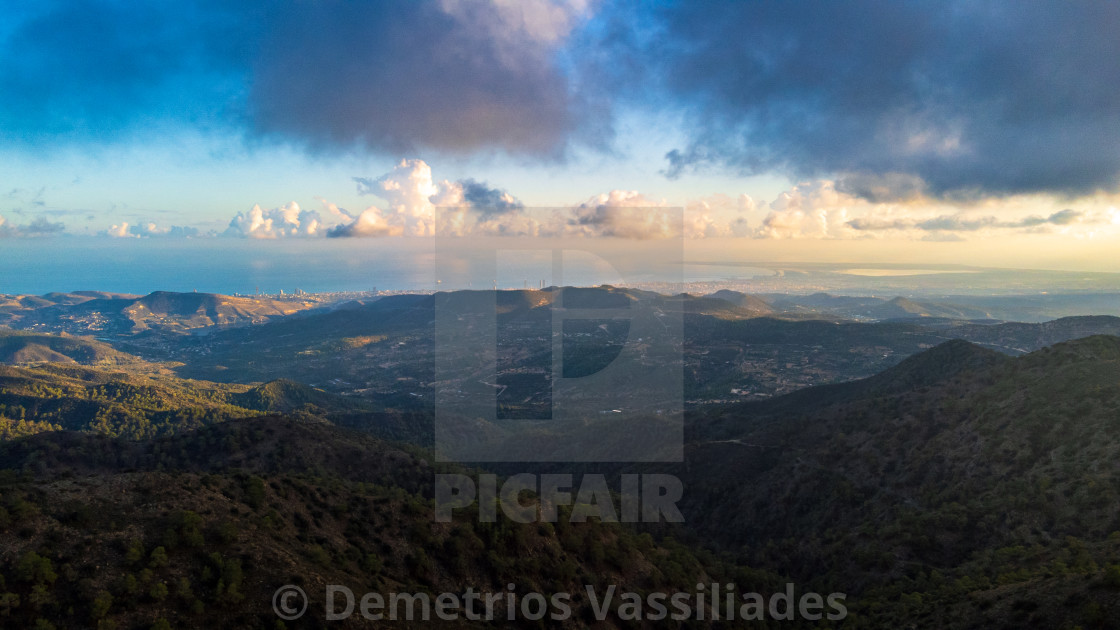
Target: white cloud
<point x="798" y="223"/>
<point x="414" y="199"/>
<point x="408" y="189"/>
<point x="370" y="222"/>
<point x="151" y="230"/>
<point x="624" y="214"/>
<point x="415" y="204"/>
<point x="119" y="231"/>
<point x="810" y="210"/>
<point x="286" y="221"/>
<point x="718" y="216"/>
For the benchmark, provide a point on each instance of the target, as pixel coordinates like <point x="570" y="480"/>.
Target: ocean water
<point x="218" y="265"/>
<point x="228" y="265"/>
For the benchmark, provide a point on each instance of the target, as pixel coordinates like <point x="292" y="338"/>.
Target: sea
<point x="35" y="266"/>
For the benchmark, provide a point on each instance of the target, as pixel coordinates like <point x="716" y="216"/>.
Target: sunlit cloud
<point x="286" y="221"/>
<point x="624" y="214"/>
<point x="414" y="199"/>
<point x="370" y="222"/>
<point x="411" y="202"/>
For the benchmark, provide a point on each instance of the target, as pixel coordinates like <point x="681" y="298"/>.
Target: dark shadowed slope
<point x="997" y="475"/>
<point x="201" y="529"/>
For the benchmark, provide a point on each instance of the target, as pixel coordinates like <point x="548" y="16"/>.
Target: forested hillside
<point x="201" y="529"/>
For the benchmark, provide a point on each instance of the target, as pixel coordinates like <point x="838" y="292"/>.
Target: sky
<point x="980" y="133"/>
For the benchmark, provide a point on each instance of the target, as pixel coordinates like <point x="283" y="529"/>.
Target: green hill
<point x="284" y="396"/>
<point x="24" y="347"/>
<point x="200" y="529"/>
<point x="960" y="488"/>
<point x="950" y="490"/>
<point x="54" y="396"/>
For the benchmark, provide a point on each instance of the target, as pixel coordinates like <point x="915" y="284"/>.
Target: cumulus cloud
<point x="624" y="214"/>
<point x="718" y="216"/>
<point x="488" y="201"/>
<point x="414" y="199"/>
<point x="370" y="222"/>
<point x="418" y="205"/>
<point x="953" y="99"/>
<point x="150" y="230"/>
<point x="183" y="231"/>
<point x="37" y="227"/>
<point x="816" y="209"/>
<point x="286" y="221"/>
<point x="810" y="210"/>
<point x="118" y="231"/>
<point x="408" y="189"/>
<point x="807" y="223"/>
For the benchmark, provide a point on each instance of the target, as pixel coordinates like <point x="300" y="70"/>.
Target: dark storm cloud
<point x="964" y="98"/>
<point x="391" y="75"/>
<point x="401" y="75"/>
<point x="893" y="99"/>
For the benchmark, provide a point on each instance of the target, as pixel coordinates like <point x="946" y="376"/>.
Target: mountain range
<point x="950" y="473"/>
<point x="114" y="314"/>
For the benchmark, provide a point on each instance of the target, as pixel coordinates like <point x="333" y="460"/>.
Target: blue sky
<point x="863" y="130"/>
